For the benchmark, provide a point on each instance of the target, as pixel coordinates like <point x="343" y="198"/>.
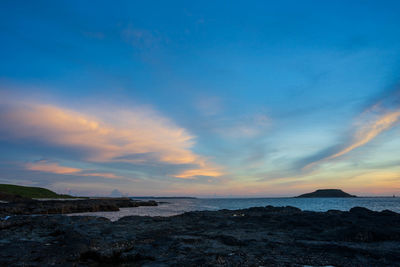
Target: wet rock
<point x="264" y="236"/>
<point x="361" y="211"/>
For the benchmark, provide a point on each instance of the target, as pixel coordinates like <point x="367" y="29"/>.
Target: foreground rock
<point x="252" y="237"/>
<point x="30" y="206"/>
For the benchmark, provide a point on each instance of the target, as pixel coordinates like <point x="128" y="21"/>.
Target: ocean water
<point x="172" y="207"/>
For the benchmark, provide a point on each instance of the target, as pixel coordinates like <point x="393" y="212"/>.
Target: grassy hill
<point x="30" y="192"/>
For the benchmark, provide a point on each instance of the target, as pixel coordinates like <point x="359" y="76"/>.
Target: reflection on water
<point x="178" y="206"/>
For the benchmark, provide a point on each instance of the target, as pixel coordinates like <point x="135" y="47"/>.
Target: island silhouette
<point x="326" y="193"/>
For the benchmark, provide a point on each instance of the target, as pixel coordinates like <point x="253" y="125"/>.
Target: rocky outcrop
<point x="265" y="236"/>
<point x="5" y="197"/>
<point x="327" y="193"/>
<point x="29" y="206"/>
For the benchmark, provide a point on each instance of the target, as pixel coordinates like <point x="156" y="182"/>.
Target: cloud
<point x="209" y="106"/>
<point x="250" y="126"/>
<point x="190" y="174"/>
<point x="45" y="166"/>
<point x="116" y="193"/>
<point x="100" y="174"/>
<point x="54" y="167"/>
<point x="113" y="136"/>
<point x="369" y="131"/>
<point x="376" y="119"/>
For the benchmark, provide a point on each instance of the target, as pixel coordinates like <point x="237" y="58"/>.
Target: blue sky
<point x="205" y="98"/>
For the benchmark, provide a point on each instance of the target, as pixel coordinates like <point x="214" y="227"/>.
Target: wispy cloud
<point x="243" y="127"/>
<point x="100" y="174"/>
<point x="193" y="173"/>
<point x="369" y="131"/>
<point x="209" y="106"/>
<point x="54" y="167"/>
<point x="116" y="136"/>
<point x="376" y="119"/>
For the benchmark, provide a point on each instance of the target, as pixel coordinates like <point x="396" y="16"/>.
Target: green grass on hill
<point x="30" y="192"/>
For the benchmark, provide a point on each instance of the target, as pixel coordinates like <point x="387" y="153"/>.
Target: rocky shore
<point x="24" y="206"/>
<point x="265" y="236"/>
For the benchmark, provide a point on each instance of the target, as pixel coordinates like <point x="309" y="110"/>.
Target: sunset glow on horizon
<point x="183" y="99"/>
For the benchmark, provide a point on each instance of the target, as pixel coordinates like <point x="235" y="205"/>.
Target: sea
<point x="175" y="206"/>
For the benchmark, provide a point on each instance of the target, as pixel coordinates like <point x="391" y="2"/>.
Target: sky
<point x="200" y="98"/>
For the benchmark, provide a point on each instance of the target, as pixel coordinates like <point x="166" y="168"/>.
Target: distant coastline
<point x="24" y="200"/>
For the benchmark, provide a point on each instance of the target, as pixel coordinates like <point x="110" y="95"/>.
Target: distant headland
<point x="9" y="192"/>
<point x="326" y="193"/>
<point x="23" y="200"/>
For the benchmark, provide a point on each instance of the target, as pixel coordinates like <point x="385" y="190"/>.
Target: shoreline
<point x="263" y="236"/>
<point x="57" y="206"/>
<point x="115" y="208"/>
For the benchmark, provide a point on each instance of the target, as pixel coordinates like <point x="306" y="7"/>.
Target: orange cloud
<point x="188" y="174"/>
<point x="53" y="167"/>
<point x="366" y="132"/>
<point x="370" y="131"/>
<point x="101" y="174"/>
<point x="135" y="136"/>
<point x="45" y="166"/>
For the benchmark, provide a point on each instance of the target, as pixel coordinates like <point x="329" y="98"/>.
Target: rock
<point x="264" y="236"/>
<point x="69" y="206"/>
<point x="361" y="211"/>
<point x="13" y="198"/>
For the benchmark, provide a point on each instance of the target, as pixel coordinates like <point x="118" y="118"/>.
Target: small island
<point x="326" y="193"/>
